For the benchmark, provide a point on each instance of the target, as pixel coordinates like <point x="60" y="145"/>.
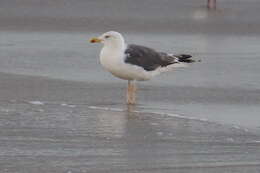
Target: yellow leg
<point x="131" y="93"/>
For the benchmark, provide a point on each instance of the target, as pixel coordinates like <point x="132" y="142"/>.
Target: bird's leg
<point x="131" y="91"/>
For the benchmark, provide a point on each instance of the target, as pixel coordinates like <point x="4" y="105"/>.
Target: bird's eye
<point x="107" y="36"/>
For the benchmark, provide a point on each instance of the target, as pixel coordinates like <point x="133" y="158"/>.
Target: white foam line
<point x="36" y="102"/>
<point x="166" y="114"/>
<point x="180" y="116"/>
<point x="106" y="108"/>
<point x="68" y="105"/>
<point x="157" y="113"/>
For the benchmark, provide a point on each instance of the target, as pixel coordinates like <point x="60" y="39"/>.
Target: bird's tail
<point x="177" y="61"/>
<point x="184" y="58"/>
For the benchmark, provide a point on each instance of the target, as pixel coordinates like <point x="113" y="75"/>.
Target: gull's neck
<point x="112" y="55"/>
<point x="118" y="44"/>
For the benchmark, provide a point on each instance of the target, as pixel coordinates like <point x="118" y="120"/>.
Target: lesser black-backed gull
<point x="134" y="62"/>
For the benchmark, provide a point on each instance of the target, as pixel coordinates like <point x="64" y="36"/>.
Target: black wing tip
<point x="185" y="58"/>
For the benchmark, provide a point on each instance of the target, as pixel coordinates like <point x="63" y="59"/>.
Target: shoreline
<point x="84" y="25"/>
<point x="26" y="88"/>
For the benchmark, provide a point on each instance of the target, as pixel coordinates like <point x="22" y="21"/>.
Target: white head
<point x="110" y="39"/>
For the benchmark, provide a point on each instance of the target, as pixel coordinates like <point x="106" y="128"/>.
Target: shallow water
<point x="223" y="88"/>
<point x="204" y="118"/>
<point x="62" y="137"/>
<point x="227" y="61"/>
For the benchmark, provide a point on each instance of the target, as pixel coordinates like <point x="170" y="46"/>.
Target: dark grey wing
<point x="147" y="58"/>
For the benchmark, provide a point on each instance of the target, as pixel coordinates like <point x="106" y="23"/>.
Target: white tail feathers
<point x="172" y="67"/>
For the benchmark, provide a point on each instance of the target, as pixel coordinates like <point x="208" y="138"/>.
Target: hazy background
<point x="232" y="16"/>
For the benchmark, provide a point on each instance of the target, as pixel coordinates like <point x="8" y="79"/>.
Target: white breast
<point x="113" y="61"/>
<point x="110" y="59"/>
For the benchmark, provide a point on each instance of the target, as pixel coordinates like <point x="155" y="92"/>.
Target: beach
<point x="61" y="112"/>
<point x="52" y="125"/>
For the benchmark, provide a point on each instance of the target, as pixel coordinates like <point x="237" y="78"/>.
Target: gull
<point x="133" y="62"/>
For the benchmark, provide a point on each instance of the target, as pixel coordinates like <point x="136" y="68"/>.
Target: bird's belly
<point x="122" y="70"/>
<point x="119" y="71"/>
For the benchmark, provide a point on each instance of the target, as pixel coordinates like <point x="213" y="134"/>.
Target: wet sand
<point x="52" y="125"/>
<point x="223" y="88"/>
<point x="60" y="112"/>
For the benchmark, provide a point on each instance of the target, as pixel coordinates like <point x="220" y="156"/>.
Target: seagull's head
<point x="111" y="38"/>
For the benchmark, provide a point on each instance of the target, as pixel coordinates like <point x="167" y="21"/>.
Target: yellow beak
<point x="95" y="40"/>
